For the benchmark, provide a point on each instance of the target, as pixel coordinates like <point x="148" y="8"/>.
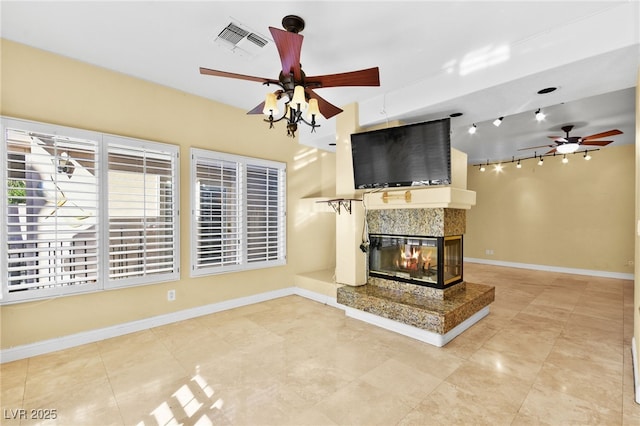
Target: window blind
<point x="239" y="213"/>
<point x="52" y="214"/>
<point x="265" y="213"/>
<point x="217" y="212"/>
<point x="84" y="211"/>
<point x="142" y="222"/>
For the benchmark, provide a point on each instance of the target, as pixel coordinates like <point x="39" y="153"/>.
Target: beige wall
<point x="40" y="86"/>
<point x="576" y="215"/>
<point x="636" y="232"/>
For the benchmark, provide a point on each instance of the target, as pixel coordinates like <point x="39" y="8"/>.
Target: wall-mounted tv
<point x="412" y="155"/>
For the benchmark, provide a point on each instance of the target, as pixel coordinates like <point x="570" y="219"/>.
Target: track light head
<point x="540" y="115"/>
<point x="498" y="121"/>
<point x="473" y="129"/>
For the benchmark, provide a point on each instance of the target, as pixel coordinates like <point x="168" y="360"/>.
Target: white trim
<point x="317" y="297"/>
<point x="636" y="376"/>
<point x="575" y="271"/>
<point x="425" y="336"/>
<point x="85" y="337"/>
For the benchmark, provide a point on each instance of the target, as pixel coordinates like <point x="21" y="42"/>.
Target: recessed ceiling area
<point x="483" y="59"/>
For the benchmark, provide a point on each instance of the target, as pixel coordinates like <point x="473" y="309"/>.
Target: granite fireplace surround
<point x="433" y="315"/>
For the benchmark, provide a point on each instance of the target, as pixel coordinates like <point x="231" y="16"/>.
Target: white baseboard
<point x="66" y="342"/>
<point x="425" y="336"/>
<point x="636" y="376"/>
<point x="575" y="271"/>
<point x="321" y="298"/>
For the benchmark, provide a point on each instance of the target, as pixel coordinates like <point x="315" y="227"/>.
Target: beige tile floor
<point x="555" y="349"/>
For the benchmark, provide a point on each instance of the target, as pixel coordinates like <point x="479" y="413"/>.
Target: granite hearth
<point x="415" y="313"/>
<point x="434" y="314"/>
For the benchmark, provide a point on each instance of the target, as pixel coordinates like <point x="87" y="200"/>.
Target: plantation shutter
<point x="142" y="212"/>
<point x="239" y="213"/>
<point x="52" y="213"/>
<point x="265" y="213"/>
<point x="217" y="214"/>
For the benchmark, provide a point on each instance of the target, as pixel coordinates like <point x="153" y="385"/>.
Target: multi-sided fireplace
<point x="428" y="261"/>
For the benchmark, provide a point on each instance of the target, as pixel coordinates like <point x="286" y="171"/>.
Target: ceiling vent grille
<point x="256" y="39"/>
<point x="233" y="34"/>
<point x="241" y="40"/>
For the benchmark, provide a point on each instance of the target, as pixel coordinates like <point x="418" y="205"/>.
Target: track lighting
<point x="540" y="115"/>
<point x="473" y="129"/>
<point x="498" y="121"/>
<point x="498" y="166"/>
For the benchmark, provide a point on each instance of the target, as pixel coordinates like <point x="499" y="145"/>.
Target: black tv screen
<point x="412" y="155"/>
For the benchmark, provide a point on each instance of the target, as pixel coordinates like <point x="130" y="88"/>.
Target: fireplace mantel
<point x="420" y="198"/>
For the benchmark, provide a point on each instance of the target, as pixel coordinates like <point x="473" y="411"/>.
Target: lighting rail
<point x="535" y="156"/>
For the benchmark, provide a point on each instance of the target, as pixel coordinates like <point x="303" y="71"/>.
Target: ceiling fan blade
<point x="327" y="109"/>
<point x="550" y="152"/>
<point x="596" y="143"/>
<point x="557" y="138"/>
<point x="216" y="73"/>
<point x="534" y="147"/>
<point x="289" y="45"/>
<point x="603" y="135"/>
<point x="366" y="77"/>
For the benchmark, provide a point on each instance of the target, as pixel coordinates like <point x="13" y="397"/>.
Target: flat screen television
<point x="412" y="155"/>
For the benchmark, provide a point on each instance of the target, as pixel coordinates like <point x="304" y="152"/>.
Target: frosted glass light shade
<point x="270" y="105"/>
<point x="313" y="108"/>
<point x="298" y="97"/>
<point x="567" y="148"/>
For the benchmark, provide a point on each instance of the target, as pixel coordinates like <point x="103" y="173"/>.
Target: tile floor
<point x="555" y="349"/>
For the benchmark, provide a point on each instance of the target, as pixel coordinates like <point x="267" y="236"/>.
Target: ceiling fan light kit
<point x="568" y="148"/>
<point x="295" y="86"/>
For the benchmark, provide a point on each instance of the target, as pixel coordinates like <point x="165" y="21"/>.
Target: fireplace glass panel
<point x="431" y="261"/>
<point x="452" y="259"/>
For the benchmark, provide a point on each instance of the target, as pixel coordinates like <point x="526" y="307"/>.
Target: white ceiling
<point x="484" y="59"/>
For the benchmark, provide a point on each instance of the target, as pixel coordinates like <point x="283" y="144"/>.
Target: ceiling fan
<point x="570" y="144"/>
<point x="295" y="85"/>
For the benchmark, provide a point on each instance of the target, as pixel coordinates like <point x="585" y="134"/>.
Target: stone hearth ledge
<point x="434" y="321"/>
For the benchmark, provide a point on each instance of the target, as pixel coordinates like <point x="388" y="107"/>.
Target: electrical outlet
<point x="488" y="251"/>
<point x="630" y="262"/>
<point x="171" y="295"/>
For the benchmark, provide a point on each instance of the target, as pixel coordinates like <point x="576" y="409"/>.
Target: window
<point x="142" y="206"/>
<point x="84" y="211"/>
<point x="238" y="213"/>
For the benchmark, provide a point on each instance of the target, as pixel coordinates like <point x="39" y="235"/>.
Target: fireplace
<point x="428" y="261"/>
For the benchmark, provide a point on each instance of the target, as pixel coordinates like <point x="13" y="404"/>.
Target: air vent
<point x="255" y="38"/>
<point x="241" y="40"/>
<point x="233" y="34"/>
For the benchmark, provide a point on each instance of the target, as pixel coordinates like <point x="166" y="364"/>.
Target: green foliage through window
<point x="17" y="191"/>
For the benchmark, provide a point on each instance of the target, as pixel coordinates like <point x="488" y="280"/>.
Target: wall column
<point x="351" y="266"/>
